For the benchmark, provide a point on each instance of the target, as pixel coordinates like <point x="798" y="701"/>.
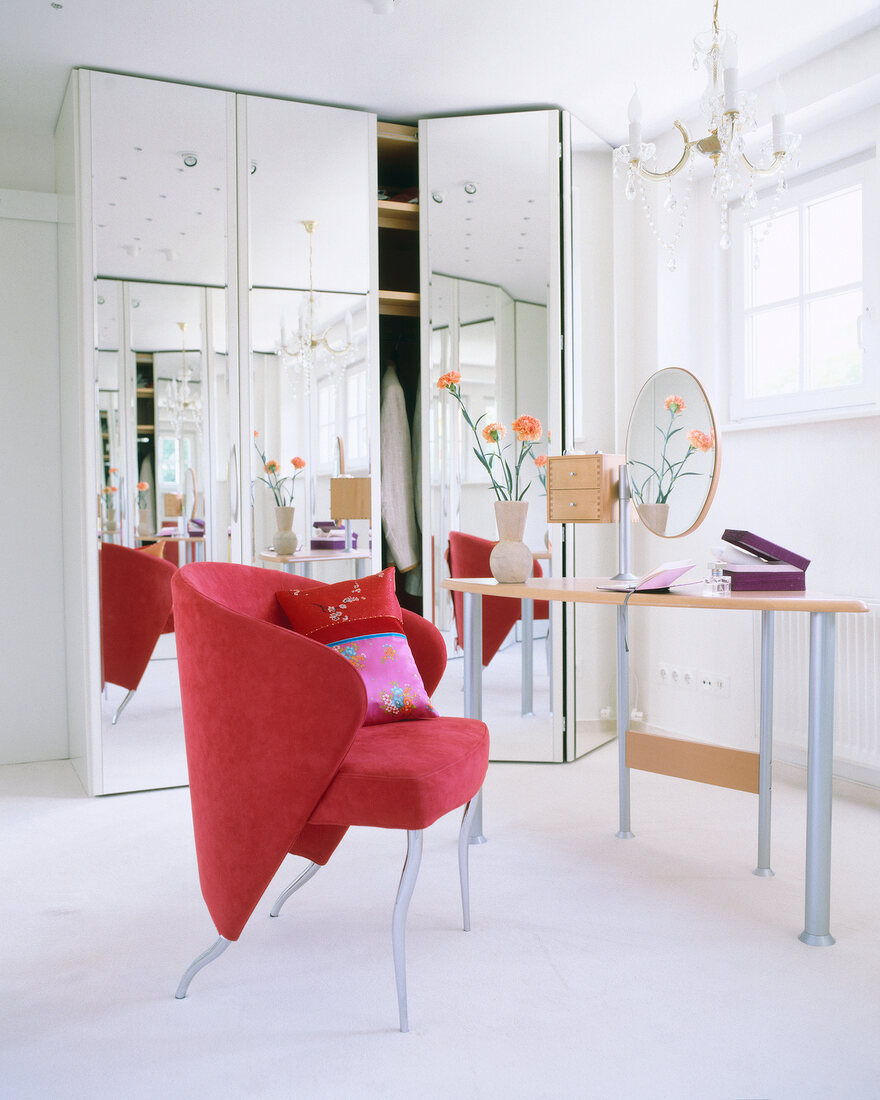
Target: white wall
<point x="32" y="672"/>
<point x="807" y="486"/>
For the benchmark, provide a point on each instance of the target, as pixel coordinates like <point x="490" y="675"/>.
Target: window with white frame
<point x="804" y="278"/>
<point x="342" y="412"/>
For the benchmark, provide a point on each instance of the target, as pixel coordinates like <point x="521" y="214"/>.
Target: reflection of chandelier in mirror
<point x="305" y="349"/>
<point x="181" y="403"/>
<point x="730" y="114"/>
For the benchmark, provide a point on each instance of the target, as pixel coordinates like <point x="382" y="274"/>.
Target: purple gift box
<point x="775" y="569"/>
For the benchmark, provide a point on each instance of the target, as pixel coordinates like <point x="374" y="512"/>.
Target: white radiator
<point x="856" y="692"/>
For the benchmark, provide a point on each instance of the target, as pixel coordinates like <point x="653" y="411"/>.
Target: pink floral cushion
<point x="394" y="687"/>
<point x="363" y="622"/>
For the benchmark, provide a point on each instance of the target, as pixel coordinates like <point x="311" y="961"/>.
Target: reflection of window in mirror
<point x="170" y="466"/>
<point x="327" y="433"/>
<point x="357" y="456"/>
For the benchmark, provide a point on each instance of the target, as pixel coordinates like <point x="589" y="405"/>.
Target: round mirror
<point x="673" y="454"/>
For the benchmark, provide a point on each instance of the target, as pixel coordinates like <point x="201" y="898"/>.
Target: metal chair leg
<point x="464" y="842"/>
<point x="301" y="880"/>
<point x="213" y="952"/>
<point x="398" y="921"/>
<point x="121" y="707"/>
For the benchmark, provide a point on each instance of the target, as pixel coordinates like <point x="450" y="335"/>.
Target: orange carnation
<point x="675" y="404"/>
<point x="493" y="433"/>
<point x="298" y="463"/>
<point x="700" y="441"/>
<point x="451" y="378"/>
<point x="528" y="429"/>
<point x="540" y="461"/>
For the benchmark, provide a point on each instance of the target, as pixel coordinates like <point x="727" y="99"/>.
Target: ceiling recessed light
<point x="56" y="5"/>
<point x="253" y="168"/>
<point x="100" y="301"/>
<point x="190" y="159"/>
<point x="437" y="196"/>
<point x="470" y="189"/>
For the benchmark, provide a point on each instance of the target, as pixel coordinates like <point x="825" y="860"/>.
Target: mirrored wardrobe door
<point x="490" y="187"/>
<point x="160" y="208"/>
<point x="311" y="393"/>
<point x="592" y="549"/>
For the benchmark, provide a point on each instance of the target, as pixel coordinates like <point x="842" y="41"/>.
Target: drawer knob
<point x="571" y="473"/>
<point x="571" y="504"/>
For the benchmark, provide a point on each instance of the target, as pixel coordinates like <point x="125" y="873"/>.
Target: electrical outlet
<point x="715" y="683"/>
<point x="664" y="673"/>
<point x="688" y="678"/>
<point x="606" y="712"/>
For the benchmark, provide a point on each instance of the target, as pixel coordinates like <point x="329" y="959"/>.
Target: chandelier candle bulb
<point x="730" y="60"/>
<point x="634" y="116"/>
<point x="777" y="108"/>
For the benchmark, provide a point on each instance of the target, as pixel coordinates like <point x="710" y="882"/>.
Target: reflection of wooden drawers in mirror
<point x="583" y="488"/>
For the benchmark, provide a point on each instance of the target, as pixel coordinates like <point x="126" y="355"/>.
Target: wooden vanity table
<point x="694" y="760"/>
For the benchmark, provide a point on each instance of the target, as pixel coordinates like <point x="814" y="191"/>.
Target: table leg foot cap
<point x="624" y="834"/>
<point x="763" y="872"/>
<point x="477" y="839"/>
<point x="816" y="941"/>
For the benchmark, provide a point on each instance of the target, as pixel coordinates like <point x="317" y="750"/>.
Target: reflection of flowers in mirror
<point x="282" y="487"/>
<point x="505" y="477"/>
<point x="669" y="471"/>
<point x="143" y="488"/>
<point x="541" y="463"/>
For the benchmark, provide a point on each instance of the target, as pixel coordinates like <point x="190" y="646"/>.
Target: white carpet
<point x="655" y="967"/>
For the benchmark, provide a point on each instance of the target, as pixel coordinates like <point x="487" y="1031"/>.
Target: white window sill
<point x="789" y="419"/>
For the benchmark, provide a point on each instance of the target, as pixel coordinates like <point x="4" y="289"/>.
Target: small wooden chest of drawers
<point x="583" y="488"/>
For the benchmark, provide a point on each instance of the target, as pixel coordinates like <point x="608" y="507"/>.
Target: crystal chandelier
<point x="181" y="403"/>
<point x="730" y="114"/>
<point x="305" y="348"/>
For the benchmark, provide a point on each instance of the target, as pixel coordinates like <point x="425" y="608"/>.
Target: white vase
<point x="110" y="524"/>
<point x="511" y="560"/>
<point x="654" y="517"/>
<point x="145" y="528"/>
<point x="284" y="540"/>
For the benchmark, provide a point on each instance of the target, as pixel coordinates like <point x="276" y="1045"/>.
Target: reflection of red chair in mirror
<point x="468" y="556"/>
<point x="135" y="610"/>
<point x="279" y="760"/>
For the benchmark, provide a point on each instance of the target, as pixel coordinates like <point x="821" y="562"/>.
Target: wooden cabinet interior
<point x="399" y="300"/>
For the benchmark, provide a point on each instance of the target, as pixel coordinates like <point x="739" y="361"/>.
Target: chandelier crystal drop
<point x="729" y="115"/>
<point x="181" y="402"/>
<point x="305" y="349"/>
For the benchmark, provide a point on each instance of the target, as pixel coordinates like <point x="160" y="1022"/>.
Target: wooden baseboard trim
<point x="722" y="767"/>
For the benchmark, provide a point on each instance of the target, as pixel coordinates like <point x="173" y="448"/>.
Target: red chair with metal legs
<point x="135" y="609"/>
<point x="468" y="556"/>
<point x="280" y="761"/>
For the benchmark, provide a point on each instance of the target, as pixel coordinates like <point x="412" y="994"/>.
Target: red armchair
<point x="279" y="761"/>
<point x="468" y="556"/>
<point x="135" y="608"/>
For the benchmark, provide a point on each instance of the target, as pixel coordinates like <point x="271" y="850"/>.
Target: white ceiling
<point x="429" y="57"/>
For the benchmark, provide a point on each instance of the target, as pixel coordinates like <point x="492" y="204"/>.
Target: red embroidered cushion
<point x="362" y="621"/>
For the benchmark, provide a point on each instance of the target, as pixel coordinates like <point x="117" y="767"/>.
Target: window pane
<point x="776" y="277"/>
<point x="834" y="358"/>
<point x="775" y="352"/>
<point x="835" y="241"/>
<point x="169" y="461"/>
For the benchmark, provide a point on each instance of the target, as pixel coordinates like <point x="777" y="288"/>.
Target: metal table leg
<point x="528" y="641"/>
<point x="472" y="614"/>
<point x="624" y="833"/>
<point x="765" y="760"/>
<point x="820" y="750"/>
